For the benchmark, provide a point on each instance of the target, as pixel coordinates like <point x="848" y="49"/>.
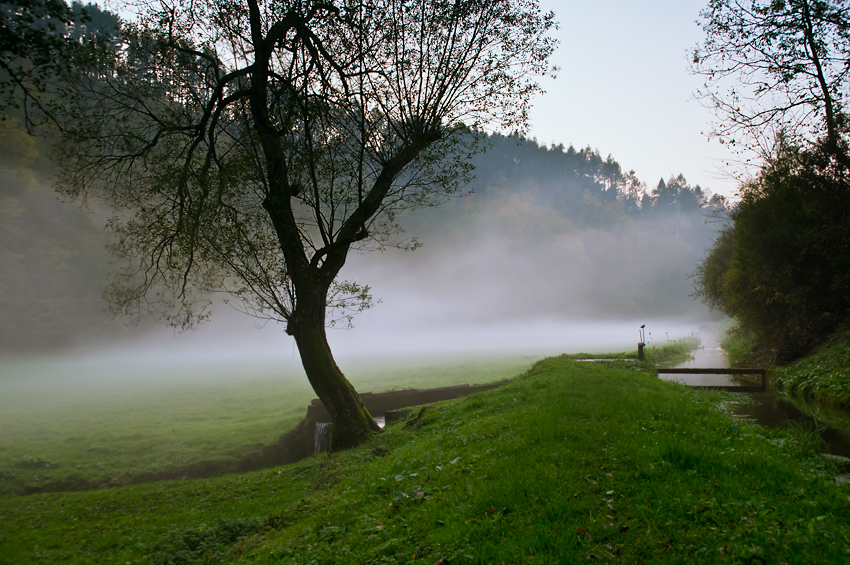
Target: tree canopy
<point x="249" y="146"/>
<point x="39" y="42"/>
<point x="775" y="67"/>
<point x="781" y="265"/>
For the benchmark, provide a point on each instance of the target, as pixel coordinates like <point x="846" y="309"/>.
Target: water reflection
<point x="709" y="356"/>
<point x="764" y="408"/>
<point x="771" y="411"/>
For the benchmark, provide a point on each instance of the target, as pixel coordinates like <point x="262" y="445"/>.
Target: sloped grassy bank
<point x="570" y="462"/>
<point x="823" y="375"/>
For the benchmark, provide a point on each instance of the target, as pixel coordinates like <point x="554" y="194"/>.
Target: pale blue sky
<point x="624" y="88"/>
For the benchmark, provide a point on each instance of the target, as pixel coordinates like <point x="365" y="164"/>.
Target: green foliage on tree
<point x="782" y="267"/>
<point x="776" y="72"/>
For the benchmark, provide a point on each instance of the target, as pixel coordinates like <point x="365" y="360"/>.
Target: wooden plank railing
<point x="719" y="371"/>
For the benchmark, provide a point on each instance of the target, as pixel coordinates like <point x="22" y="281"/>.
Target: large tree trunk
<point x="352" y="421"/>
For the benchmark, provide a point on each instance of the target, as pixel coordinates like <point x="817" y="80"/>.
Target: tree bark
<point x="352" y="421"/>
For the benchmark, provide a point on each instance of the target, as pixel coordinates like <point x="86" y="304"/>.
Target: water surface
<point x="768" y="408"/>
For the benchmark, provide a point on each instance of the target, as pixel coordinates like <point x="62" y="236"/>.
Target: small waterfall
<point x="324" y="433"/>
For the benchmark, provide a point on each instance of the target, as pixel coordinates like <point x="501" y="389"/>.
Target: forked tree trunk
<point x="352" y="421"/>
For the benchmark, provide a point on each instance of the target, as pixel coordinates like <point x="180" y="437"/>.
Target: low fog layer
<point x="556" y="251"/>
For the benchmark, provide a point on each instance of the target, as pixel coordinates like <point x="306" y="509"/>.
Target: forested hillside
<point x="53" y="255"/>
<point x="560" y="232"/>
<point x="597" y="243"/>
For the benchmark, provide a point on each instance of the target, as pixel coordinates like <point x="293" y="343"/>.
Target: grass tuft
<point x="673" y="352"/>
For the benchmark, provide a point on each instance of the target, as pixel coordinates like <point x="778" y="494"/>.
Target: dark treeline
<point x="579" y="182"/>
<point x="590" y="190"/>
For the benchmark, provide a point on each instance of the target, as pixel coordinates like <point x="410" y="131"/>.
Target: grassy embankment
<point x="569" y="462"/>
<point x="823" y="375"/>
<point x="75" y="434"/>
<point x="738" y="345"/>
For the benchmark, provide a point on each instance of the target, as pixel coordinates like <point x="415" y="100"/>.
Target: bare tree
<point x="776" y="68"/>
<point x="248" y="146"/>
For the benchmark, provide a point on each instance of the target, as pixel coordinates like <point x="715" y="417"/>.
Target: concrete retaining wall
<point x="379" y="403"/>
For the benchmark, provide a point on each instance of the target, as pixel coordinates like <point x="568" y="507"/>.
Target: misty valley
<point x="548" y="250"/>
<point x="295" y="282"/>
<point x="535" y="261"/>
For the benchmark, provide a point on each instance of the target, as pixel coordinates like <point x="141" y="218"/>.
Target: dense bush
<point x="782" y="266"/>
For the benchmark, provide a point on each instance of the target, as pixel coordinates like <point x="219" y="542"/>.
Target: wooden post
<point x="640" y="351"/>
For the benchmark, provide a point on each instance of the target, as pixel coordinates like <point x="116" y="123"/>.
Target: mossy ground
<point x="571" y="462"/>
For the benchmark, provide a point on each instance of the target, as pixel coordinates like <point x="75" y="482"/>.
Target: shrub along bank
<point x="570" y="462"/>
<point x="781" y="266"/>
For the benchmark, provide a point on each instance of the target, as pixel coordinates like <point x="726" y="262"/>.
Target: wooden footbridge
<point x="720" y="371"/>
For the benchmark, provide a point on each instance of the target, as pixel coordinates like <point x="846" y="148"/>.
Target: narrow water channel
<point x="767" y="408"/>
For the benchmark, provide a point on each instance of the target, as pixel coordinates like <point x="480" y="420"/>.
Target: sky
<point x="624" y="89"/>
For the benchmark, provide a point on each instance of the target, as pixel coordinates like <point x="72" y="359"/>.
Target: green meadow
<point x="568" y="462"/>
<point x="77" y="433"/>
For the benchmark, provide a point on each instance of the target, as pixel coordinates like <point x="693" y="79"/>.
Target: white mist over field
<point x="383" y="345"/>
<point x="423" y="316"/>
<point x="523" y="268"/>
<point x="513" y="282"/>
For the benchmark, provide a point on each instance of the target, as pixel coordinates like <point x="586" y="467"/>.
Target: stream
<point x="770" y="408"/>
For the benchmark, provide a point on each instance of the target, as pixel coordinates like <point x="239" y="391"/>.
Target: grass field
<point x="77" y="431"/>
<point x="570" y="462"/>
